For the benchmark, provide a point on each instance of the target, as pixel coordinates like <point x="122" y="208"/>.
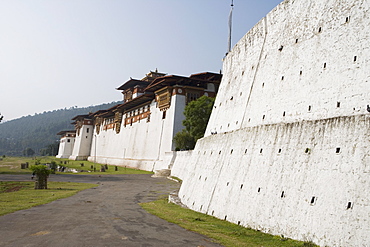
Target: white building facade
<point x="139" y="133"/>
<point x="67" y="140"/>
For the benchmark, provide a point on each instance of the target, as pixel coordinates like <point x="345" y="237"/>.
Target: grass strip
<point x="16" y="196"/>
<point x="12" y="165"/>
<point x="223" y="232"/>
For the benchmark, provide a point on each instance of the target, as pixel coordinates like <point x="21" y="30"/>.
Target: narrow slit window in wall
<point x="279" y="150"/>
<point x="307" y="150"/>
<point x="219" y="152"/>
<point x="337" y="150"/>
<point x="300" y="72"/>
<point x="261" y="150"/>
<point x="283" y="114"/>
<point x="282" y="78"/>
<point x="309" y="108"/>
<point x="296" y="41"/>
<point x="263" y="85"/>
<point x="232" y="150"/>
<point x="338" y="104"/>
<point x="347" y="19"/>
<point x="241" y="186"/>
<point x="259" y="190"/>
<point x="313" y="200"/>
<point x="238" y="222"/>
<point x="213" y="212"/>
<point x="246" y="150"/>
<point x="324" y="65"/>
<point x="282" y="194"/>
<point x="201" y="208"/>
<point x="354" y="58"/>
<point x="227" y="184"/>
<point x="320" y="29"/>
<point x="263" y="117"/>
<point x="225" y="217"/>
<point x="349" y="205"/>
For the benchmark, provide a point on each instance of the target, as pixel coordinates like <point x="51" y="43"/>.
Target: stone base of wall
<point x="146" y="165"/>
<point x="62" y="156"/>
<point x="78" y="157"/>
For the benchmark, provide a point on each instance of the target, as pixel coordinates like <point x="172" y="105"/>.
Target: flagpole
<point x="230" y="25"/>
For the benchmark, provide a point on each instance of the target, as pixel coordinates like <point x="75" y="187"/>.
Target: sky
<point x="57" y="54"/>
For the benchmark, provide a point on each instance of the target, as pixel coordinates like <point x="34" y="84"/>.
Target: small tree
<point x="184" y="141"/>
<point x="28" y="152"/>
<point x="42" y="174"/>
<point x="197" y="114"/>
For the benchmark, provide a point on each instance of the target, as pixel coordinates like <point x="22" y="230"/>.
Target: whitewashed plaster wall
<point x="144" y="144"/>
<point x="263" y="84"/>
<point x="65" y="147"/>
<point x="82" y="144"/>
<point x="306" y="180"/>
<point x="291" y="153"/>
<point x="181" y="164"/>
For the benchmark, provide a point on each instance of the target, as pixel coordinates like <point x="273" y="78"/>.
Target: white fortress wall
<point x="291" y="153"/>
<point x="65" y="147"/>
<point x="181" y="164"/>
<point x="82" y="145"/>
<point x="143" y="145"/>
<point x="294" y="79"/>
<point x="301" y="180"/>
<point x="130" y="146"/>
<point x="178" y="105"/>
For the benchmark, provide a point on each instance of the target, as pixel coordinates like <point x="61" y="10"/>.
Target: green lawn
<point x="12" y="165"/>
<point x="223" y="232"/>
<point x="16" y="196"/>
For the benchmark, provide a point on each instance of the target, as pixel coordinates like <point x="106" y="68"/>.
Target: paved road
<point x="108" y="215"/>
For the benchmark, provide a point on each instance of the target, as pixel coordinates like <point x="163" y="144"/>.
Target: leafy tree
<point x="184" y="141"/>
<point x="50" y="150"/>
<point x="28" y="152"/>
<point x="42" y="174"/>
<point x="53" y="167"/>
<point x="197" y="114"/>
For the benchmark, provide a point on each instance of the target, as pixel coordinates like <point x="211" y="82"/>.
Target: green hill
<point x="39" y="132"/>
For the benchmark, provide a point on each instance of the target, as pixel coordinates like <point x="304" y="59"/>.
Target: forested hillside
<point x="38" y="133"/>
